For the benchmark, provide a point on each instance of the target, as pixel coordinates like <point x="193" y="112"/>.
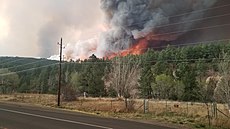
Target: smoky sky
<point x="135" y="19"/>
<point x="33" y="27"/>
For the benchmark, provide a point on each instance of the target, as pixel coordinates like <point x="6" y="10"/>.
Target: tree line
<point x="174" y="73"/>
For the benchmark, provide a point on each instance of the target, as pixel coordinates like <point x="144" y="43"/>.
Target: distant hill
<point x="29" y="73"/>
<point x="21" y="63"/>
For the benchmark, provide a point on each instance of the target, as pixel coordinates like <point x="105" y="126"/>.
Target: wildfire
<point x="137" y="49"/>
<point x="83" y="49"/>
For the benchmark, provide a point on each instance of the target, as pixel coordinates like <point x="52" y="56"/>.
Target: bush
<point x="68" y="94"/>
<point x="129" y="103"/>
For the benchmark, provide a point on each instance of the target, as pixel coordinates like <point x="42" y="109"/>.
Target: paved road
<point x="15" y="116"/>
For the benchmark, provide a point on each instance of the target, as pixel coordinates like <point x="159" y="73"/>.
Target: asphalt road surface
<point x="17" y="116"/>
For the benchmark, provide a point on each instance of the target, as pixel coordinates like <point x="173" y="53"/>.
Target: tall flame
<point x="136" y="49"/>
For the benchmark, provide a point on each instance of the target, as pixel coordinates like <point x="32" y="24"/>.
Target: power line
<point x="183" y="44"/>
<point x="153" y="61"/>
<point x="198" y="11"/>
<point x="5" y="60"/>
<point x="201" y="28"/>
<point x="195" y="43"/>
<point x="10" y="73"/>
<point x="184" y="22"/>
<point x="195" y="20"/>
<point x="12" y="61"/>
<point x="182" y="14"/>
<point x="186" y="44"/>
<point x="178" y="45"/>
<point x="13" y="67"/>
<point x="110" y="62"/>
<point x="189" y="21"/>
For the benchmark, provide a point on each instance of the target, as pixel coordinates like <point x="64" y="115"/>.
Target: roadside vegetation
<point x="193" y="79"/>
<point x="172" y="113"/>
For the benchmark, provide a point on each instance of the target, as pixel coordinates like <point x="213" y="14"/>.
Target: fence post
<point x="111" y="105"/>
<point x="209" y="118"/>
<point x="166" y="105"/>
<point x="126" y="103"/>
<point x="213" y="110"/>
<point x="146" y="106"/>
<point x="187" y="108"/>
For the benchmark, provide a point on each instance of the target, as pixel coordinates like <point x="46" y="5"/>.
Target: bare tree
<point x="123" y="76"/>
<point x="210" y="86"/>
<point x="222" y="91"/>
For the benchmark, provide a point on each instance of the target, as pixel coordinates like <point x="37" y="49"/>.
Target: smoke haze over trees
<point x="37" y="26"/>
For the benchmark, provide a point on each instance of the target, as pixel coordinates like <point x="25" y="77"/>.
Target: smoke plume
<point x="33" y="27"/>
<point x="130" y="20"/>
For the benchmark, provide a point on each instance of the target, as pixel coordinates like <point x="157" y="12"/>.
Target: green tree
<point x="89" y="79"/>
<point x="43" y="81"/>
<point x="145" y="81"/>
<point x="164" y="87"/>
<point x="191" y="89"/>
<point x="93" y="78"/>
<point x="75" y="80"/>
<point x="9" y="81"/>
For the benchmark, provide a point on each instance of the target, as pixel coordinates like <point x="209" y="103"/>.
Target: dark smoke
<point x="130" y="20"/>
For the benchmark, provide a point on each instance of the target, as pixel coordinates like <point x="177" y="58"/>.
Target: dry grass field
<point x="184" y="113"/>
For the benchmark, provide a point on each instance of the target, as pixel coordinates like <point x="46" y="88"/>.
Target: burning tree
<point x="122" y="76"/>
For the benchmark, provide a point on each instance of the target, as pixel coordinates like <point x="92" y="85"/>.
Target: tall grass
<point x="195" y="114"/>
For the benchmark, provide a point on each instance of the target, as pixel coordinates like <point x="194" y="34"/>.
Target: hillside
<point x="173" y="73"/>
<point x="24" y="73"/>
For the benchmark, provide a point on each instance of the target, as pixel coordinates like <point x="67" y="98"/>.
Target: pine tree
<point x="145" y="82"/>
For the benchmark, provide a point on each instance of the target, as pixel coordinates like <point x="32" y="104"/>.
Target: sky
<point x="32" y="28"/>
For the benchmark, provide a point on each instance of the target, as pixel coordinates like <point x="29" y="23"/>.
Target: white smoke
<point x="81" y="49"/>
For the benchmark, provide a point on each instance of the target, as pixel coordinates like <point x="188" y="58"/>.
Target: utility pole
<point x="59" y="84"/>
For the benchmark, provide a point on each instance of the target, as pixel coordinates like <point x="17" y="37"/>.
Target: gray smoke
<point x="64" y="16"/>
<point x="37" y="25"/>
<point x="133" y="19"/>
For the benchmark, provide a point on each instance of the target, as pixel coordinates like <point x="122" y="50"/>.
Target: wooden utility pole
<point x="59" y="83"/>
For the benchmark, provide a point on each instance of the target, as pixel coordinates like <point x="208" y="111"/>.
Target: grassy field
<point x="186" y="114"/>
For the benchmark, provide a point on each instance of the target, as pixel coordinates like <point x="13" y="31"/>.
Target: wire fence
<point x="211" y="114"/>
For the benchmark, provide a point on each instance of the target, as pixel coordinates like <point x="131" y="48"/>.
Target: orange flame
<point x="137" y="49"/>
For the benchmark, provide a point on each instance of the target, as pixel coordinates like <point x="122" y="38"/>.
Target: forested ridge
<point x="172" y="73"/>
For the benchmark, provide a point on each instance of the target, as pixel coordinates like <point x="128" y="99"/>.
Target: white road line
<point x="57" y="119"/>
